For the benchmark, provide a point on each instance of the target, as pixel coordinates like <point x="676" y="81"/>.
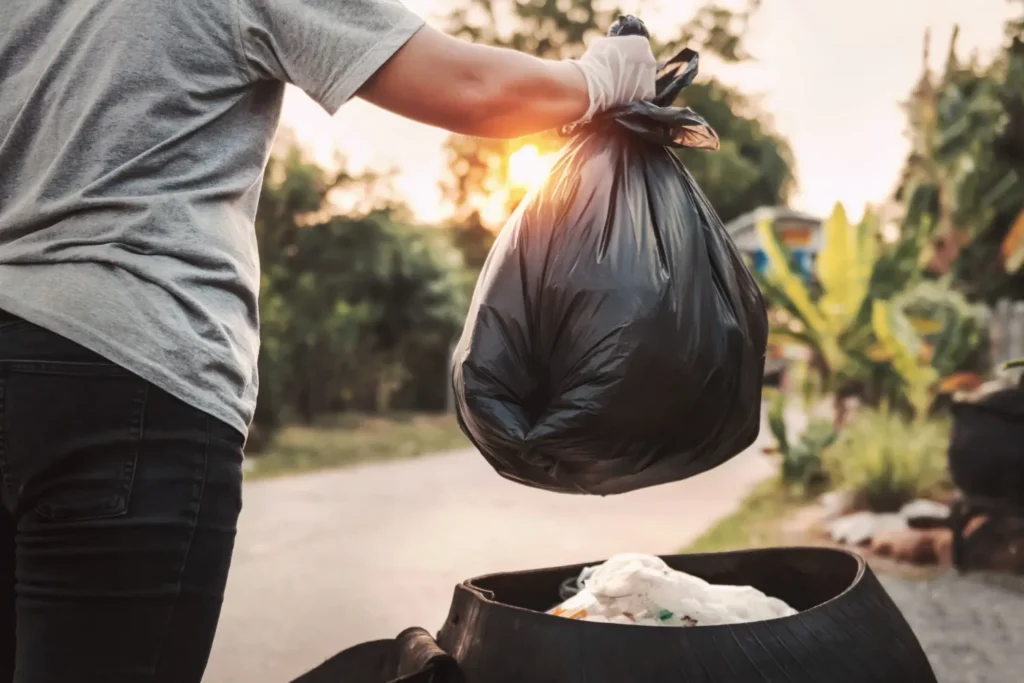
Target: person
<point x="133" y="140"/>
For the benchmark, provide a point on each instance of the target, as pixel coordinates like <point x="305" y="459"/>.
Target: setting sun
<point x="527" y="167"/>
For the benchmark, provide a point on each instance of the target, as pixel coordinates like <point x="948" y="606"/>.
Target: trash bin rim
<point x="487" y="596"/>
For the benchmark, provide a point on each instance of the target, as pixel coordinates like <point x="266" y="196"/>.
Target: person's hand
<point x="619" y="70"/>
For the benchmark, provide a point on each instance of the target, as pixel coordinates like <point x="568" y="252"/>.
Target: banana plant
<point x="843" y="270"/>
<point x="801" y="463"/>
<point x="857" y="338"/>
<point x="909" y="356"/>
<point x="956" y="330"/>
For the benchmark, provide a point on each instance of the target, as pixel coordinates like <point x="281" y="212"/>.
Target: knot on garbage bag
<point x="628" y="25"/>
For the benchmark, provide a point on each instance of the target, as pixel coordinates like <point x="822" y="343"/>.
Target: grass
<point x="756" y="524"/>
<point x="887" y="460"/>
<point x="763" y="521"/>
<point x="351" y="439"/>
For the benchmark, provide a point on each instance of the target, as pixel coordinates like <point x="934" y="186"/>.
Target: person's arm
<point x="493" y="92"/>
<point x="477" y="90"/>
<point x="383" y="52"/>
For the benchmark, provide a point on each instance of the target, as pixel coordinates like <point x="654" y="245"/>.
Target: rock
<point x="943" y="546"/>
<point x="835" y="504"/>
<point x="915" y="546"/>
<point x="923" y="551"/>
<point x="859" y="528"/>
<point x="1001" y="550"/>
<point x="852" y="529"/>
<point x="882" y="546"/>
<point x="924" y="510"/>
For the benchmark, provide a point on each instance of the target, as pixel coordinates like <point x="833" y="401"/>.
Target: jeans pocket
<point x="69" y="437"/>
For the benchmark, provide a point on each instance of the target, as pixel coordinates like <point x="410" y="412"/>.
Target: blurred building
<point x="799" y="232"/>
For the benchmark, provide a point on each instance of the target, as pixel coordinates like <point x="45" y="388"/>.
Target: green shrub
<point x="955" y="329"/>
<point x="886" y="460"/>
<point x="802" y="467"/>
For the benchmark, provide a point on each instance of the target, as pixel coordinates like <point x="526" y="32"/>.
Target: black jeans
<point x="120" y="505"/>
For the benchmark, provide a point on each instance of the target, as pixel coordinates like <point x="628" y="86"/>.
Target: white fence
<point x="1007" y="331"/>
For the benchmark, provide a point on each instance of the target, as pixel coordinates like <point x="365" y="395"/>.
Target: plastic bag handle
<point x="674" y="76"/>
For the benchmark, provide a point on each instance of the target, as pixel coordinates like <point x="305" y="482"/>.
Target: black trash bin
<point x="847" y="630"/>
<point x="986" y="448"/>
<point x="412" y="657"/>
<point x="986" y="461"/>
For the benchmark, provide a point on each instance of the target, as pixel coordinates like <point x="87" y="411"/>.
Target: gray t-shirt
<point x="133" y="138"/>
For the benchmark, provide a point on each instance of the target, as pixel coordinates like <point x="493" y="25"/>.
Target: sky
<point x="831" y="73"/>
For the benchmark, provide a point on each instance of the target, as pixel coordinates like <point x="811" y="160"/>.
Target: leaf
<point x="796" y="295"/>
<point x="926" y="326"/>
<point x="844" y="267"/>
<point x="779" y="337"/>
<point x="878" y="353"/>
<point x="1013" y="246"/>
<point x="927" y="353"/>
<point x="792" y="285"/>
<point x="896" y="335"/>
<point x="960" y="381"/>
<point x="777" y="421"/>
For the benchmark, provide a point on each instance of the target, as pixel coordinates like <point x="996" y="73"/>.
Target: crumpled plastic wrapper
<point x="642" y="590"/>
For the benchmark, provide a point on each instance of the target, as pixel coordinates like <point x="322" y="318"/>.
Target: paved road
<point x="972" y="627"/>
<point x="328" y="560"/>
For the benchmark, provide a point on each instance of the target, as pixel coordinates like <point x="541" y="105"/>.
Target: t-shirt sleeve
<point x="328" y="48"/>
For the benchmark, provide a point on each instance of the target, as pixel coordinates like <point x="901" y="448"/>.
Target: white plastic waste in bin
<point x="643" y="590"/>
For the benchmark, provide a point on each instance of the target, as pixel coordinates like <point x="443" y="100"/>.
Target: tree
<point x="963" y="183"/>
<point x="474" y="240"/>
<point x="358" y="311"/>
<point x="753" y="168"/>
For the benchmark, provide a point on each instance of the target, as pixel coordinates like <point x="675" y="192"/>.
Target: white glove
<point x="618" y="70"/>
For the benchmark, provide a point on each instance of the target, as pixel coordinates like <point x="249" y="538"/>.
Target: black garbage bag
<point x="616" y="339"/>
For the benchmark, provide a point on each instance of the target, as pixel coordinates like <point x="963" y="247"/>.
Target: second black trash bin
<point x="616" y="338"/>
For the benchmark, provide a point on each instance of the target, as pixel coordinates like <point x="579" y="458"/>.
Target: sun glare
<point x="527" y="167"/>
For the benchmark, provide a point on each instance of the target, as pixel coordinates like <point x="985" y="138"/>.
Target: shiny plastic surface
<point x="616" y="339"/>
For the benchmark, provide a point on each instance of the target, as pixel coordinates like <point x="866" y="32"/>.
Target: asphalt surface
<point x="972" y="626"/>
